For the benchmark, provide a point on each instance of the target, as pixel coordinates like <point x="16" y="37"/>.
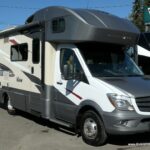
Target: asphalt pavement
<point x="26" y="132"/>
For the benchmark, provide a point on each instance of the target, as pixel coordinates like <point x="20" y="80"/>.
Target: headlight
<point x="120" y="102"/>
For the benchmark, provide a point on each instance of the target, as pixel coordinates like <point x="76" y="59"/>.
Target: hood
<point x="137" y="86"/>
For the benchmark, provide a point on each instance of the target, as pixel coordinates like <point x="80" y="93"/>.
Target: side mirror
<point x="67" y="73"/>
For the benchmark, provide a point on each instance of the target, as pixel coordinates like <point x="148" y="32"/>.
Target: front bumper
<point x="126" y="122"/>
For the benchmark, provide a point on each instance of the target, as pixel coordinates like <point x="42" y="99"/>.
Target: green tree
<point x="137" y="14"/>
<point x="146" y="15"/>
<point x="147" y="2"/>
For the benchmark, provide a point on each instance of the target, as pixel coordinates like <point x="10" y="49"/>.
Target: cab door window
<point x="70" y="65"/>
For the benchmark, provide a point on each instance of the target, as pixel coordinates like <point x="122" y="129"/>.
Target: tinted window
<point x="108" y="60"/>
<point x="147" y="36"/>
<point x="68" y="57"/>
<point x="58" y="25"/>
<point x="36" y="51"/>
<point x="144" y="63"/>
<point x="19" y="52"/>
<point x="143" y="42"/>
<point x="132" y="52"/>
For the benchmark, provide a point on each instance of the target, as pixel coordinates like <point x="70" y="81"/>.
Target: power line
<point x="18" y="7"/>
<point x="112" y="6"/>
<point x="36" y="8"/>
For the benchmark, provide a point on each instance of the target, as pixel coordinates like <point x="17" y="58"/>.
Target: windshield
<point x="108" y="60"/>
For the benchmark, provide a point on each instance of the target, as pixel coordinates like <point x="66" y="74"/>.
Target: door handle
<point x="32" y="70"/>
<point x="59" y="82"/>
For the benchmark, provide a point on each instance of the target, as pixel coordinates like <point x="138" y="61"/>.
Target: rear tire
<point x="92" y="129"/>
<point x="7" y="104"/>
<point x="10" y="109"/>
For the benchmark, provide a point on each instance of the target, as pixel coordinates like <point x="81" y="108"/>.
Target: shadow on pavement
<point x="121" y="140"/>
<point x="131" y="140"/>
<point x="46" y="123"/>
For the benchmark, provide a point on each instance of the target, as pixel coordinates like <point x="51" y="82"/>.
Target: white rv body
<point x="143" y="52"/>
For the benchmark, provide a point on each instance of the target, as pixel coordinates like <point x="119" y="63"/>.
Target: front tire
<point x="92" y="129"/>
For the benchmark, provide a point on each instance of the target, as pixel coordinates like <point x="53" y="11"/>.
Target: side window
<point x="70" y="65"/>
<point x="19" y="52"/>
<point x="77" y="67"/>
<point x="14" y="52"/>
<point x="66" y="59"/>
<point x="36" y="51"/>
<point x="58" y="25"/>
<point x="143" y="42"/>
<point x="131" y="52"/>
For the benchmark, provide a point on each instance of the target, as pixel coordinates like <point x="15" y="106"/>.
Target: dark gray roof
<point x="82" y="25"/>
<point x="96" y="18"/>
<point x="87" y="25"/>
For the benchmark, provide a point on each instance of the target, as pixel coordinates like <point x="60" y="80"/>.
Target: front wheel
<point x="92" y="129"/>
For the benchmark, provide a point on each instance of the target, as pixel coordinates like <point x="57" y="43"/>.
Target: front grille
<point x="143" y="104"/>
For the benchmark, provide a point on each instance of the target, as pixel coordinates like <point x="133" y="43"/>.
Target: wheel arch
<point x="85" y="106"/>
<point x="5" y="97"/>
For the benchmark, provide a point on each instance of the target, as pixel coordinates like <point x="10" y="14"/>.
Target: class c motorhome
<point x="143" y="52"/>
<point x="70" y="67"/>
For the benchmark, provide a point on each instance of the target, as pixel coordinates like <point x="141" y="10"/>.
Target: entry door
<point x="71" y="91"/>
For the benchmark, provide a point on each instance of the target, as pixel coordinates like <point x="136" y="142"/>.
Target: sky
<point x="15" y="12"/>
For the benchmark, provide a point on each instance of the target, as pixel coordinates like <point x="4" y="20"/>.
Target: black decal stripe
<point x="21" y="91"/>
<point x="33" y="78"/>
<point x="76" y="95"/>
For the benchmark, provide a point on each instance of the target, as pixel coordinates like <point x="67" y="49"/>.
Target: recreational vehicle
<point x="143" y="52"/>
<point x="70" y="66"/>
